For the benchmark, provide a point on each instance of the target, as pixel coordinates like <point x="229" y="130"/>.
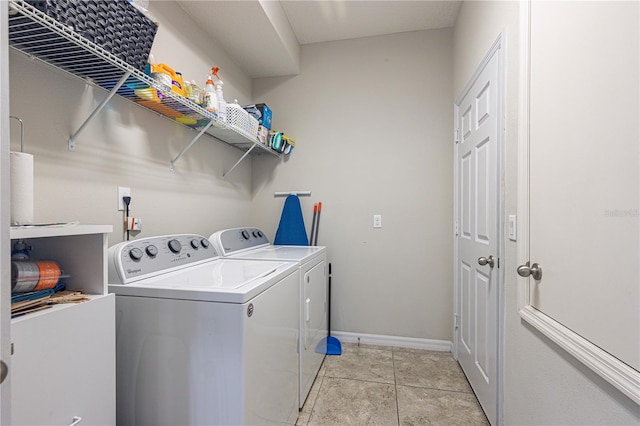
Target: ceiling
<point x="264" y="36"/>
<point x="318" y="21"/>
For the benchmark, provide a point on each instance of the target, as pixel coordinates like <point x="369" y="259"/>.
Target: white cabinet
<point x="63" y="362"/>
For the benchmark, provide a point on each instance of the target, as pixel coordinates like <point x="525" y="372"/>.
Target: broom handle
<point x="313" y="223"/>
<point x="315" y="242"/>
<point x="329" y="305"/>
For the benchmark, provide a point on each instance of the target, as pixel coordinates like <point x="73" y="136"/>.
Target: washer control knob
<point x="260" y="235"/>
<point x="152" y="251"/>
<point x="245" y="234"/>
<point x="195" y="244"/>
<point x="135" y="253"/>
<point x="205" y="243"/>
<point x="175" y="246"/>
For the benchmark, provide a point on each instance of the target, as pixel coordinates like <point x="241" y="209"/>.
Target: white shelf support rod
<point x="287" y="193"/>
<point x="194" y="140"/>
<point x="72" y="139"/>
<point x="240" y="160"/>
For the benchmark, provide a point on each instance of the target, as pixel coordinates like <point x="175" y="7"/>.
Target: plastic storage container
<point x="241" y="120"/>
<point x="115" y="25"/>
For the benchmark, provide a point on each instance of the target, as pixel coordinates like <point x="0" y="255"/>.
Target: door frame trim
<point x="498" y="47"/>
<point x="617" y="373"/>
<point x="5" y="215"/>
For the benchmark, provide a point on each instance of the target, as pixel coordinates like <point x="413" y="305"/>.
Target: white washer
<point x="202" y="340"/>
<point x="252" y="243"/>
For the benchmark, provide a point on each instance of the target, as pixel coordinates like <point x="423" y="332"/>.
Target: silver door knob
<point x="4" y="370"/>
<point x="534" y="270"/>
<point x="487" y="261"/>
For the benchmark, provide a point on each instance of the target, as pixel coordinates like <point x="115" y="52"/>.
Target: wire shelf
<point x="41" y="37"/>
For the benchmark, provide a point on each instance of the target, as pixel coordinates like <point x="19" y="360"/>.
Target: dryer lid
<point x="282" y="253"/>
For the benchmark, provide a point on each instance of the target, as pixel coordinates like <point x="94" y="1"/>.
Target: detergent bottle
<point x="209" y="97"/>
<point x="173" y="78"/>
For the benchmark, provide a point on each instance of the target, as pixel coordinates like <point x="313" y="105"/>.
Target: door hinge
<point x="456" y="321"/>
<point x="457" y="135"/>
<point x="455" y="229"/>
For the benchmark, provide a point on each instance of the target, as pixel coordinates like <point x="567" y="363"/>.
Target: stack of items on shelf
<point x="36" y="285"/>
<point x="120" y="34"/>
<point x="254" y="121"/>
<point x="272" y="138"/>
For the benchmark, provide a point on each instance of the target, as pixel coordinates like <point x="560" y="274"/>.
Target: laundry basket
<point x="115" y="25"/>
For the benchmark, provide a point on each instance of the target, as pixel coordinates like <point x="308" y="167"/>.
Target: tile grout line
<point x="362" y="380"/>
<point x="316" y="398"/>
<point x="395" y="385"/>
<point x="439" y="389"/>
<point x="313" y="406"/>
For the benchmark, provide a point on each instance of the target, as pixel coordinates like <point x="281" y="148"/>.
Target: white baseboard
<point x="397" y="341"/>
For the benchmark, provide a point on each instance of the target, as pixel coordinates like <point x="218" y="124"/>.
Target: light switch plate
<point x="377" y="221"/>
<point x="513" y="224"/>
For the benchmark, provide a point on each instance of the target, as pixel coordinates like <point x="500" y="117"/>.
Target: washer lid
<point x="220" y="280"/>
<point x="281" y="253"/>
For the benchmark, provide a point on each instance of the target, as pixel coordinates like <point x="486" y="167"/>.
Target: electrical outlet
<point x="377" y="221"/>
<point x="123" y="192"/>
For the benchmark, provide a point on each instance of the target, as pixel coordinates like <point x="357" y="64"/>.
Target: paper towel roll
<point x="21" y="188"/>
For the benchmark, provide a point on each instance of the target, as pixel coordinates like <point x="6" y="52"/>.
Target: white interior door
<point x="584" y="182"/>
<point x="477" y="218"/>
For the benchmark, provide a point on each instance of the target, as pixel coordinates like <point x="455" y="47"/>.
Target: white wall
<point x="373" y="120"/>
<point x="129" y="146"/>
<point x="544" y="385"/>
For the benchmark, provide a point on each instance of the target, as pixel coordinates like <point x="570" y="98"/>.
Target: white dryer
<point x="253" y="244"/>
<point x="202" y="340"/>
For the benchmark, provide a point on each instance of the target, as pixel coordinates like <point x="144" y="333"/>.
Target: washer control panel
<point x="132" y="260"/>
<point x="234" y="240"/>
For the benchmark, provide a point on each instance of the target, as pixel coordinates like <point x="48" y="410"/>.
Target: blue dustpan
<point x="334" y="347"/>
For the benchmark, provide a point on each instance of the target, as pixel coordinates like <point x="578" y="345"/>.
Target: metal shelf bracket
<point x="186" y="148"/>
<point x="239" y="161"/>
<point x="72" y="138"/>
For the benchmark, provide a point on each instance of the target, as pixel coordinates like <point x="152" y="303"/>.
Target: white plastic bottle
<point x="222" y="104"/>
<point x="209" y="98"/>
<point x="196" y="92"/>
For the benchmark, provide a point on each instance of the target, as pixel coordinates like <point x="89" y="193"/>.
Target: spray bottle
<point x="209" y="98"/>
<point x="222" y="104"/>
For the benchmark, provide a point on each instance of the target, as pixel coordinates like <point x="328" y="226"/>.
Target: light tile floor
<point x="378" y="385"/>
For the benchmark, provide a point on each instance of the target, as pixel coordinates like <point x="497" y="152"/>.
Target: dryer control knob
<point x="135" y="253"/>
<point x="152" y="251"/>
<point x="175" y="246"/>
<point x="205" y="243"/>
<point x="195" y="244"/>
<point x="245" y="235"/>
